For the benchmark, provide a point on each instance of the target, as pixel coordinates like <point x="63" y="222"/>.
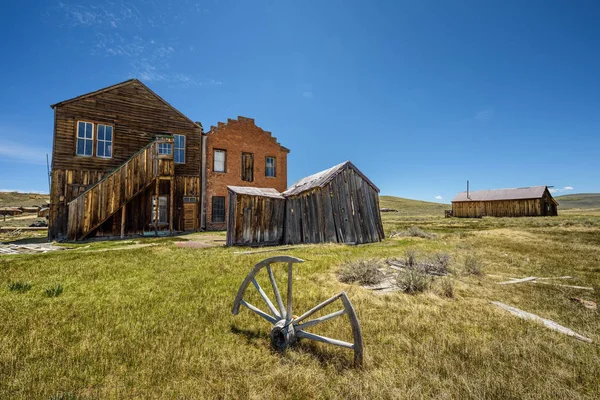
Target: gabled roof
<point x="533" y="192"/>
<point x="254" y="191"/>
<point x="116" y="86"/>
<point x="321" y="179"/>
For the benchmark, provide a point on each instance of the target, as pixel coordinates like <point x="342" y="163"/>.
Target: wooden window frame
<point x="175" y="148"/>
<point x="274" y="166"/>
<point x="224" y="161"/>
<point x="112" y="141"/>
<point x="212" y="210"/>
<point x="77" y="122"/>
<point x="243" y="167"/>
<point x="169" y="145"/>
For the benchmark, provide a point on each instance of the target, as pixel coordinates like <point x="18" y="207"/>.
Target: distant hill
<point x="582" y="200"/>
<point x="17" y="199"/>
<point x="412" y="207"/>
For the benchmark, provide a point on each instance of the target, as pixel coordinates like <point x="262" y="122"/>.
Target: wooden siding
<point x="346" y="210"/>
<point x="137" y="116"/>
<point x="255" y="220"/>
<point x="91" y="209"/>
<point x="501" y="208"/>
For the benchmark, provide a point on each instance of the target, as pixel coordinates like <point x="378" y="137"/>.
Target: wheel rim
<point x="287" y="329"/>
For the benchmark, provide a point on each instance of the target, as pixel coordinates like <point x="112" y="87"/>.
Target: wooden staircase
<point x="101" y="201"/>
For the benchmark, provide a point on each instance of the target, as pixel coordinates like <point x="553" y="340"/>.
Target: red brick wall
<point x="237" y="137"/>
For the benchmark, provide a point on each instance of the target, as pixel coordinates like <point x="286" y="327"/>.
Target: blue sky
<point x="420" y="95"/>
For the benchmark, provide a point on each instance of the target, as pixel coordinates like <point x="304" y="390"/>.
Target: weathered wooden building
<point x="123" y="161"/>
<point x="256" y="216"/>
<point x="338" y="205"/>
<point x="522" y="202"/>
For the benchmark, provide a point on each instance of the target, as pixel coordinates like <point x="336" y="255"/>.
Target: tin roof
<point x="254" y="191"/>
<point x="533" y="192"/>
<point x="320" y="179"/>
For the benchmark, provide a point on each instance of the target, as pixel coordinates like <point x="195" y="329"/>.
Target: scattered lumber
<point x="534" y="279"/>
<point x="547" y="323"/>
<point x="567" y="286"/>
<point x="530" y="278"/>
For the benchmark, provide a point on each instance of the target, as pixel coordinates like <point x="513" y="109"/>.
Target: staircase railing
<point x="101" y="201"/>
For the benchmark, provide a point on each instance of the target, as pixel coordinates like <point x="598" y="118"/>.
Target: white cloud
<point x="25" y="154"/>
<point x="122" y="31"/>
<point x="307" y="95"/>
<point x="559" y="190"/>
<point x="438" y="197"/>
<point x="485" y="114"/>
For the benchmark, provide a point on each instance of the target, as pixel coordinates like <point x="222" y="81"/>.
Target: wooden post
<point x="172" y="203"/>
<point x="123" y="221"/>
<point x="156" y="206"/>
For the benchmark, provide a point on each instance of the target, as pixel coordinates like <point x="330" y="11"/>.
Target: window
<point x="270" y="167"/>
<point x="104" y="143"/>
<point x="85" y="138"/>
<point x="218" y="209"/>
<point x="179" y="149"/>
<point x="220" y="156"/>
<point x="247" y="167"/>
<point x="162" y="209"/>
<point x="164" y="148"/>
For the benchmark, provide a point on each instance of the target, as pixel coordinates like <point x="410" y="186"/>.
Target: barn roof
<point x="321" y="179"/>
<point x="533" y="192"/>
<point x="254" y="191"/>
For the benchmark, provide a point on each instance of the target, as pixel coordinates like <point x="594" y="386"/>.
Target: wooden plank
<point x="547" y="323"/>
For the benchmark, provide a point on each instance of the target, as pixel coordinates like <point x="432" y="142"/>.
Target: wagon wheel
<point x="288" y="327"/>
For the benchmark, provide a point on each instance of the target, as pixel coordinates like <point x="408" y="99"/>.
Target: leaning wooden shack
<point x="522" y="202"/>
<point x="256" y="216"/>
<point x="339" y="205"/>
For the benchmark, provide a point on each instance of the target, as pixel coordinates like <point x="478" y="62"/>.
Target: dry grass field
<point x="156" y="322"/>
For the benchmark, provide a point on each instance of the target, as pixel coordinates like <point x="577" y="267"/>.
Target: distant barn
<point x="339" y="205"/>
<point x="533" y="201"/>
<point x="255" y="216"/>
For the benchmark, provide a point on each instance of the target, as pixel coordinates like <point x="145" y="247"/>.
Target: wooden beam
<point x="123" y="221"/>
<point x="172" y="204"/>
<point x="547" y="323"/>
<point x="156" y="206"/>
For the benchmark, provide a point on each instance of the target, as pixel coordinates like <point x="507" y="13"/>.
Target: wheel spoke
<point x="317" y="308"/>
<point x="276" y="291"/>
<point x="319" y="320"/>
<point x="324" y="339"/>
<point x="265" y="298"/>
<point x="259" y="312"/>
<point x="288" y="313"/>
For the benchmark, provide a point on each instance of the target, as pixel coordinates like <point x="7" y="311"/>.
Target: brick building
<point x="126" y="162"/>
<point x="239" y="153"/>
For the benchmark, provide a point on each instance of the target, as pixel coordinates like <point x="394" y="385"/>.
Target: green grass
<point x="156" y="322"/>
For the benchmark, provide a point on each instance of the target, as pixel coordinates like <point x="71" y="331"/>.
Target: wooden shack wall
<point x="344" y="211"/>
<point x="137" y="116"/>
<point x="255" y="220"/>
<point x="500" y="208"/>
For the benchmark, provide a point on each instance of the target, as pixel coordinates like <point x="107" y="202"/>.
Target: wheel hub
<point x="282" y="335"/>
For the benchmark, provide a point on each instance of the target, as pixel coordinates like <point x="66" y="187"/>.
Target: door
<point x="190" y="213"/>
